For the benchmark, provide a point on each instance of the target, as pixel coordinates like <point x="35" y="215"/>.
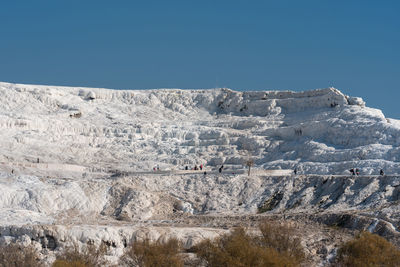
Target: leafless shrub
<point x="153" y="254"/>
<point x="241" y="249"/>
<point x="368" y="250"/>
<point x="88" y="257"/>
<point x="16" y="256"/>
<point x="281" y="238"/>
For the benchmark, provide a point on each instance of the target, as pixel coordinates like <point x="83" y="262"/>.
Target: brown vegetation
<point x="368" y="250"/>
<point x="281" y="238"/>
<point x="153" y="254"/>
<point x="275" y="248"/>
<point x="16" y="256"/>
<point x="88" y="257"/>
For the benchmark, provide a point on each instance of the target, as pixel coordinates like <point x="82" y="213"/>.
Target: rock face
<point x="98" y="165"/>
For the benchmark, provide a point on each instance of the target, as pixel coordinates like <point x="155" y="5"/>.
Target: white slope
<point x="85" y="156"/>
<point x="319" y="131"/>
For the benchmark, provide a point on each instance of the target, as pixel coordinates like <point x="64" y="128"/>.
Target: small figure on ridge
<point x="221" y="168"/>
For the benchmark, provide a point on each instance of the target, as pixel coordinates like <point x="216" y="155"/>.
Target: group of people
<point x="157" y="168"/>
<point x="201" y="167"/>
<point x="355" y="171"/>
<point x="195" y="168"/>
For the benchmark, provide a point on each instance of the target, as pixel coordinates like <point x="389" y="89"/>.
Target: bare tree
<point x="248" y="161"/>
<point x="249" y="164"/>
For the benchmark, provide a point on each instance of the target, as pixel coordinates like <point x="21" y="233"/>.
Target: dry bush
<point x="281" y="238"/>
<point x="368" y="250"/>
<point x="153" y="254"/>
<point x="16" y="256"/>
<point x="241" y="249"/>
<point x="88" y="257"/>
<point x="65" y="263"/>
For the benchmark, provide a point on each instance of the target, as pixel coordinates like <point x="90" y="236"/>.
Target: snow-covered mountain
<point x="319" y="131"/>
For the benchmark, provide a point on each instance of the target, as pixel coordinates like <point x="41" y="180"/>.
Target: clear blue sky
<point x="297" y="45"/>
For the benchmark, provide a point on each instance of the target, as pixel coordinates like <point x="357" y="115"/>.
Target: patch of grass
<point x="274" y="248"/>
<point x="153" y="254"/>
<point x="88" y="257"/>
<point x="368" y="250"/>
<point x="16" y="256"/>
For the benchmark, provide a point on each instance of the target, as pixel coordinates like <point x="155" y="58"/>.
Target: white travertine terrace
<point x="76" y="164"/>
